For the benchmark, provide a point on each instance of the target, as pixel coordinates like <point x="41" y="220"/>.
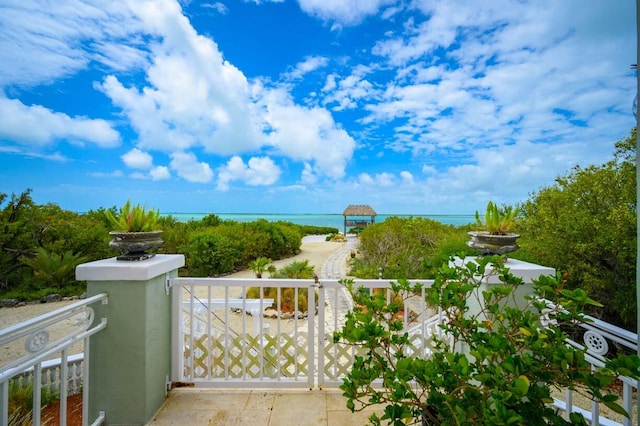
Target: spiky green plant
<point x="498" y="221"/>
<point x="134" y="218"/>
<point x="54" y="269"/>
<point x="260" y="265"/>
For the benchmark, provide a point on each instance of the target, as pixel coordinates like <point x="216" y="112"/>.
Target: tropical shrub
<point x="261" y="265"/>
<point x="494" y="365"/>
<point x="52" y="270"/>
<point x="585" y="224"/>
<point x="210" y="255"/>
<point x="402" y="247"/>
<point x="288" y="296"/>
<point x="297" y="269"/>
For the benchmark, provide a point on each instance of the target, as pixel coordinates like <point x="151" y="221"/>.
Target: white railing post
<point x="131" y="359"/>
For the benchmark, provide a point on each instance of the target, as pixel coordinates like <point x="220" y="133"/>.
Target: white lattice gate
<point x="269" y="333"/>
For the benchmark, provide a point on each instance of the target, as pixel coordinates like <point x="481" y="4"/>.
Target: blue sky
<point x="306" y="106"/>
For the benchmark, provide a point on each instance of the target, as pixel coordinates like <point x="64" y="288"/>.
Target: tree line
<point x="41" y="244"/>
<point x="584" y="226"/>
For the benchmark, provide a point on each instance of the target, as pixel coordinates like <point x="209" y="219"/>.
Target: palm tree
<point x="261" y="265"/>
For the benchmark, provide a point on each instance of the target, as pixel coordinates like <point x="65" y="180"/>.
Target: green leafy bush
<point x="210" y="255"/>
<point x="585" y="224"/>
<point x="297" y="269"/>
<point x="495" y="365"/>
<point x="402" y="247"/>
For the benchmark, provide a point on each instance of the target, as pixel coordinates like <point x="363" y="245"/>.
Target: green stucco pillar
<point x="130" y="360"/>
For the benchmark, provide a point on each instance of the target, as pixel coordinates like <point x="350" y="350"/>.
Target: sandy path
<point x="314" y="249"/>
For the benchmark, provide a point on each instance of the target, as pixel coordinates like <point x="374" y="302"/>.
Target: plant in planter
<point x="497" y="237"/>
<point x="495" y="365"/>
<point x="135" y="231"/>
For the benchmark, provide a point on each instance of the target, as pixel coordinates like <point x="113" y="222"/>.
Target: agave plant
<point x="134" y="218"/>
<point x="497" y="221"/>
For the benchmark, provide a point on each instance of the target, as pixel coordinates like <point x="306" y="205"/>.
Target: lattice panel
<point x="250" y="357"/>
<point x="338" y="357"/>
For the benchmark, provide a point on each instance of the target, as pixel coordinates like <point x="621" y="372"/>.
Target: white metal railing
<point x="41" y="339"/>
<point x="596" y="338"/>
<point x="213" y="345"/>
<point x="52" y="374"/>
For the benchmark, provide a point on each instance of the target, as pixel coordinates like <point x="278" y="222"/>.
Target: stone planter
<point x="488" y="244"/>
<point x="134" y="245"/>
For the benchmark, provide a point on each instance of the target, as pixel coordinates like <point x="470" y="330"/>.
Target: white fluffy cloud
<point x="347" y="12"/>
<point x="379" y="180"/>
<point x="137" y="159"/>
<point x="310" y="64"/>
<point x="42" y="43"/>
<point x="39" y="126"/>
<point x="160" y="173"/>
<point x="307" y="134"/>
<point x="348" y="92"/>
<point x="187" y="166"/>
<point x="259" y="171"/>
<point x="194" y="97"/>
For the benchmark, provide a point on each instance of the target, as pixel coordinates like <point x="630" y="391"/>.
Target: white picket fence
<point x="41" y="340"/>
<point x="222" y="339"/>
<point x="52" y="373"/>
<point x="225" y="347"/>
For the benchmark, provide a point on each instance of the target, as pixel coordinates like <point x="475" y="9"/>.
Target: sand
<point x="314" y="249"/>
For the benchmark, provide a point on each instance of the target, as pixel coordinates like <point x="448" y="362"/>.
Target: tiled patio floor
<point x="258" y="407"/>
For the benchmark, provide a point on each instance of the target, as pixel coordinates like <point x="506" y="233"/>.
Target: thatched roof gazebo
<point x="354" y="213"/>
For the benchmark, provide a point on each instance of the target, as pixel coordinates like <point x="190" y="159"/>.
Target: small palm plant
<point x="134" y="218"/>
<point x="54" y="270"/>
<point x="262" y="265"/>
<point x="498" y="221"/>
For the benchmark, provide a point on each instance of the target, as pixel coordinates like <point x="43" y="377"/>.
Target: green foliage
<point x="403" y="247"/>
<point x="316" y="230"/>
<point x="295" y="270"/>
<point x="291" y="299"/>
<point x="287" y="296"/>
<point x="585" y="224"/>
<point x="261" y="265"/>
<point x="133" y="218"/>
<point x="21" y="400"/>
<point x="496" y="364"/>
<point x="498" y="221"/>
<point x="19" y="235"/>
<point x="53" y="270"/>
<point x="210" y="255"/>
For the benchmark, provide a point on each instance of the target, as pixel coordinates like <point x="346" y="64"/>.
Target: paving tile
<point x="307" y="408"/>
<point x="260" y="400"/>
<point x="242" y="417"/>
<point x="347" y="418"/>
<point x="181" y="418"/>
<point x="259" y="407"/>
<point x="335" y="400"/>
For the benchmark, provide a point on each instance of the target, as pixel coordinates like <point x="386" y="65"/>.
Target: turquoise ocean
<point x="330" y="220"/>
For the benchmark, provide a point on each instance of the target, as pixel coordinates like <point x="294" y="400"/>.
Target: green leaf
<point x="521" y="385"/>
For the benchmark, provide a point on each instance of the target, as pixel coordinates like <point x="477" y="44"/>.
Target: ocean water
<point x="330" y="220"/>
